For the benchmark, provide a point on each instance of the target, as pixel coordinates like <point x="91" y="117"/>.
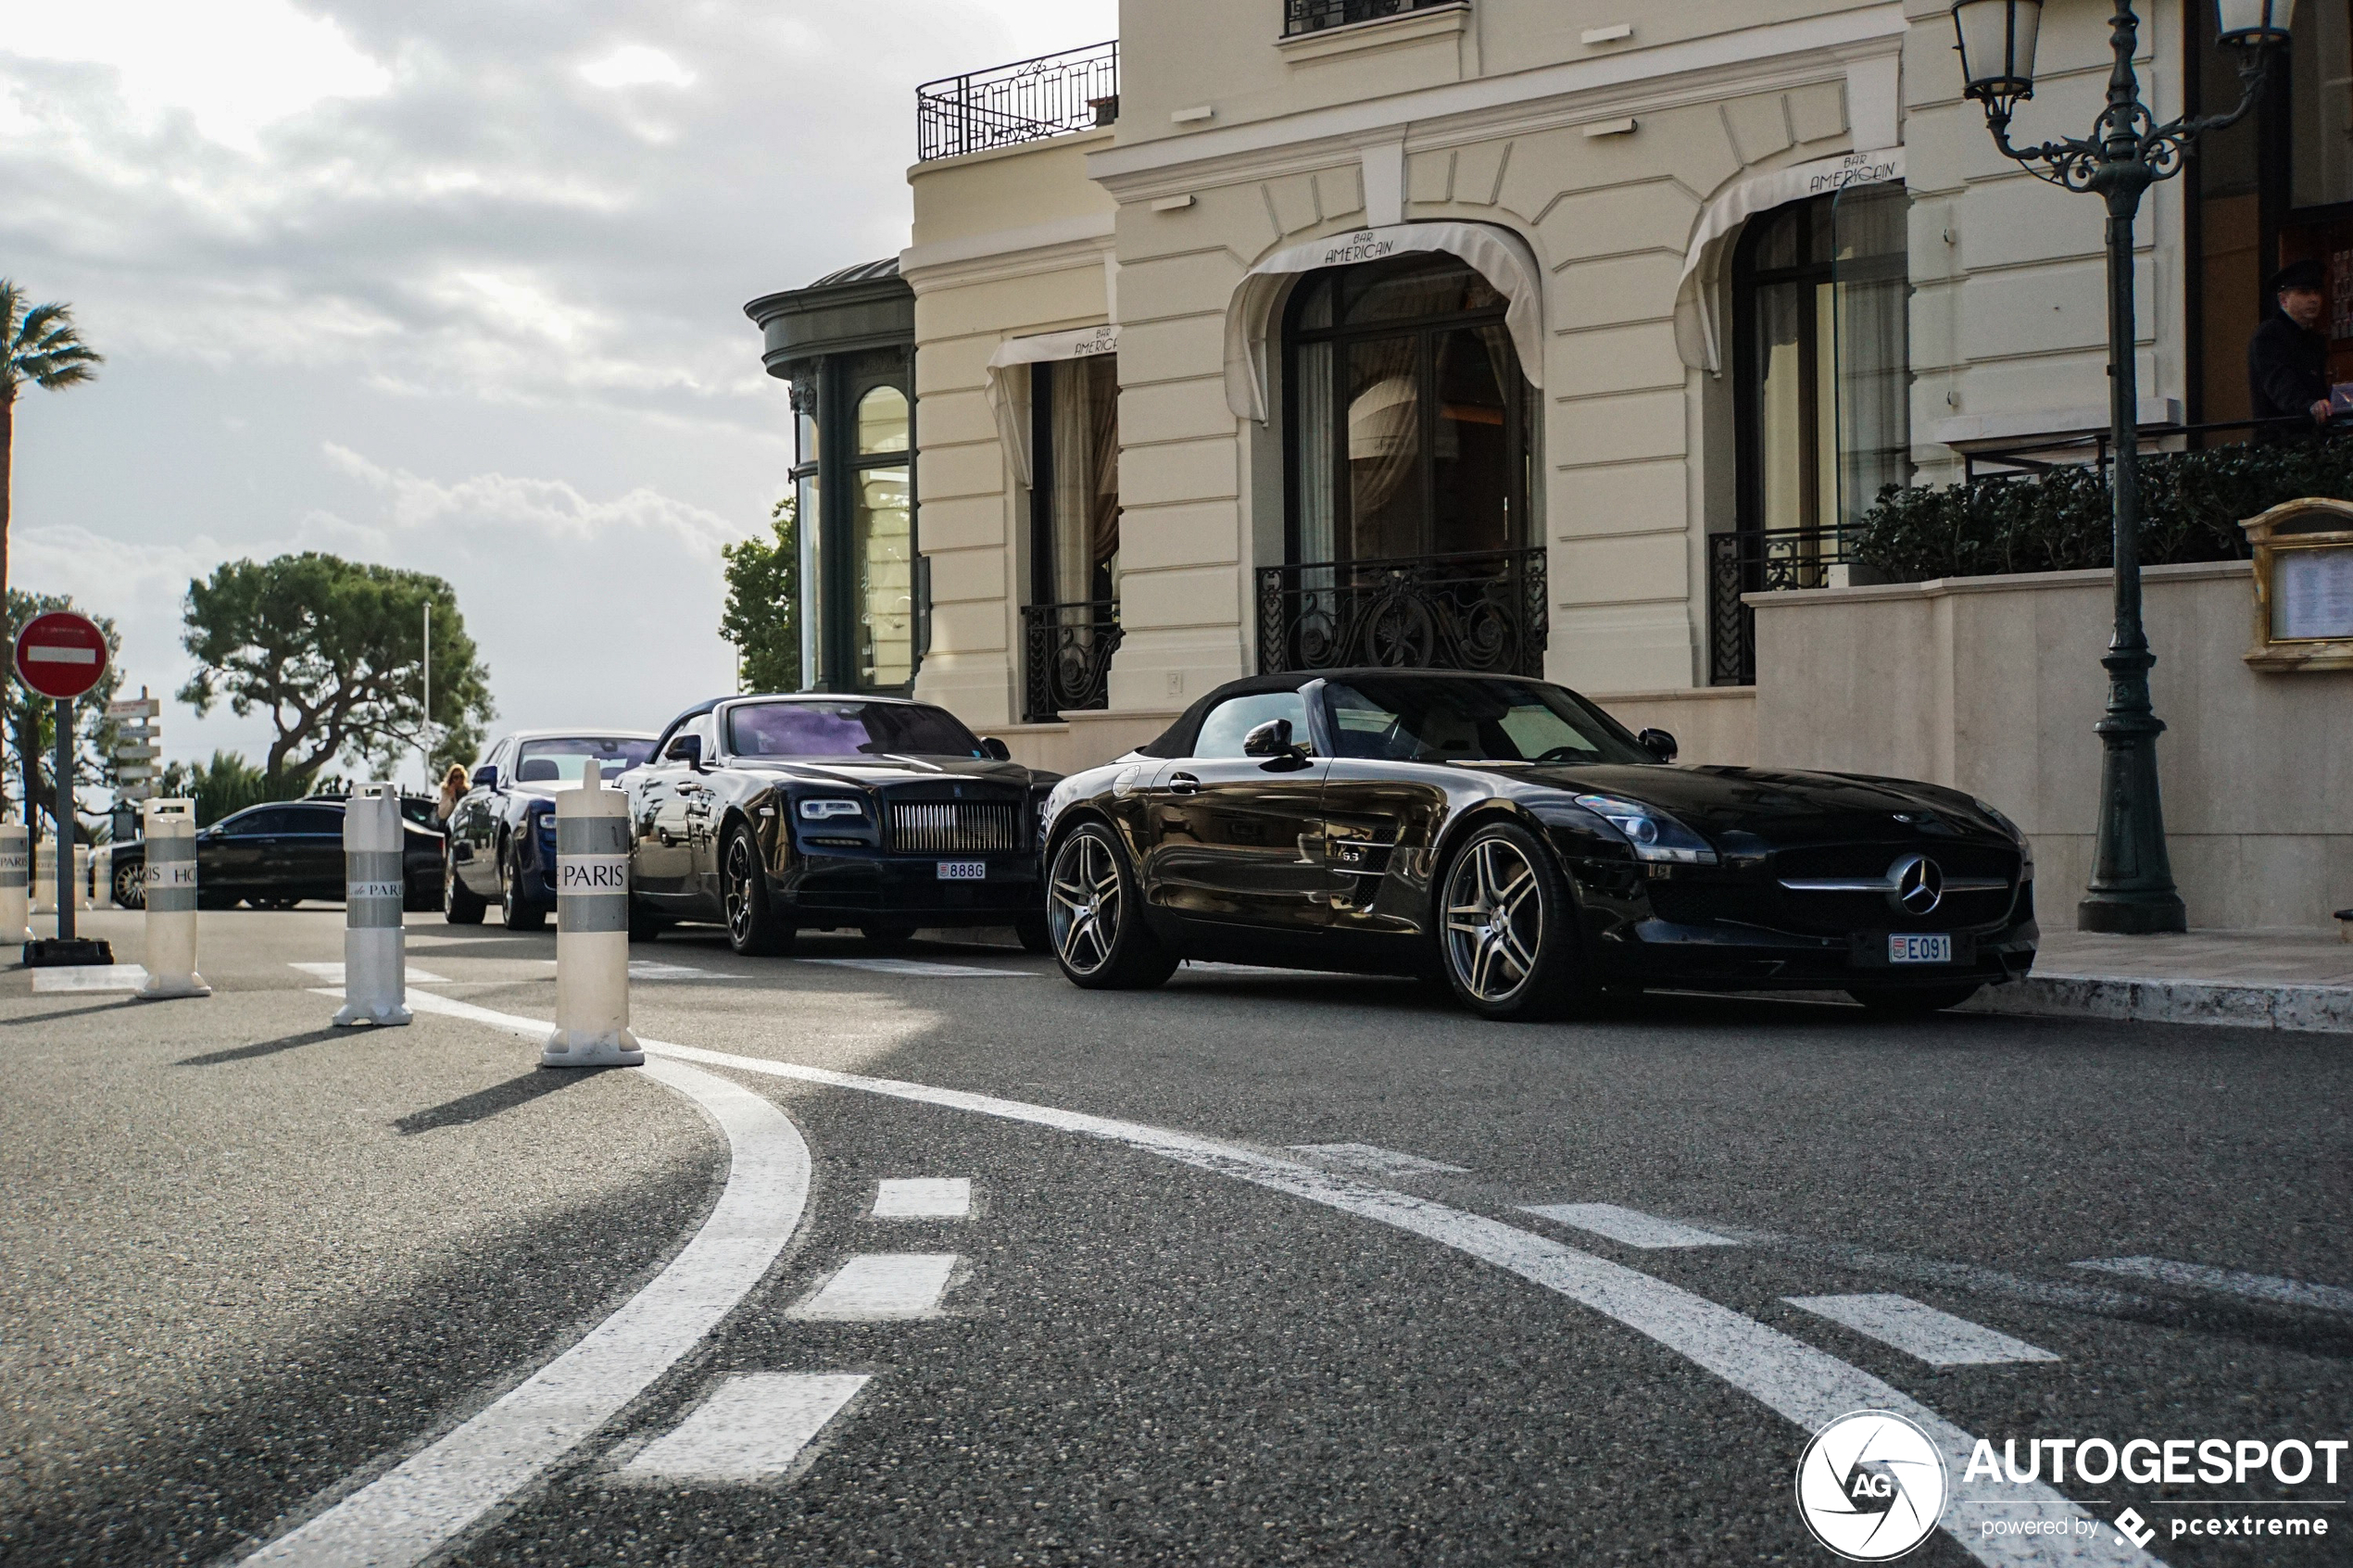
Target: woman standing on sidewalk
<point x="453" y="786"/>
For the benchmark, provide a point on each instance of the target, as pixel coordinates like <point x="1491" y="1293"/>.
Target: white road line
<point x="90" y="977"/>
<point x="919" y="966"/>
<point x="1373" y="1161"/>
<point x="1921" y="1331"/>
<point x="650" y="969"/>
<point x="751" y="1429"/>
<point x="882" y="1285"/>
<point x="1805" y="1385"/>
<point x="925" y="1198"/>
<point x="1630" y="1227"/>
<point x="419" y="1506"/>
<point x="2258" y="1287"/>
<point x="333" y="973"/>
<point x="1943" y="1273"/>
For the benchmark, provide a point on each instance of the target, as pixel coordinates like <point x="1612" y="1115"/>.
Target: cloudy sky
<point x="447" y="284"/>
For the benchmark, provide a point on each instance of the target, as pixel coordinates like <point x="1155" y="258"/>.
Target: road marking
<point x="650" y="969"/>
<point x="333" y="973"/>
<point x="90" y="977"/>
<point x="417" y="1506"/>
<point x="1945" y="1274"/>
<point x="751" y="1429"/>
<point x="882" y="1285"/>
<point x="1371" y="1160"/>
<point x="1630" y="1227"/>
<point x="1807" y="1386"/>
<point x="2257" y="1287"/>
<point x="919" y="966"/>
<point x="1921" y="1331"/>
<point x="925" y="1198"/>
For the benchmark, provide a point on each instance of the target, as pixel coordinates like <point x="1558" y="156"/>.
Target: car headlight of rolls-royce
<point x="824" y="807"/>
<point x="1654" y="833"/>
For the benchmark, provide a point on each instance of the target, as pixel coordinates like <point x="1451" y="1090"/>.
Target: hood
<point x="881" y="771"/>
<point x="1784" y="807"/>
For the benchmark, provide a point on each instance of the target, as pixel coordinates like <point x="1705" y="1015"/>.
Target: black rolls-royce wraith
<point x="1512" y="837"/>
<point x="774" y="814"/>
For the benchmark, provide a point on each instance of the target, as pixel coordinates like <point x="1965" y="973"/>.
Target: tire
<point x="460" y="905"/>
<point x="890" y="938"/>
<point x="131" y="884"/>
<point x="1916" y="1002"/>
<point x="519" y="913"/>
<point x="1037" y="935"/>
<point x="753" y="928"/>
<point x="1507" y="929"/>
<point x="1094" y="916"/>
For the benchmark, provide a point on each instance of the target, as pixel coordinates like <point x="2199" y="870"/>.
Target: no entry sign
<point x="62" y="653"/>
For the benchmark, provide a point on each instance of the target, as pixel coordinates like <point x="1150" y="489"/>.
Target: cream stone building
<point x="1496" y="334"/>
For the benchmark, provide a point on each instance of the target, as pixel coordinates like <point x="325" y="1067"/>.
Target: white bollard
<point x="375" y="980"/>
<point x="169" y="883"/>
<point x="102" y="876"/>
<point x="16" y="885"/>
<point x="82" y="876"/>
<point x="44" y="877"/>
<point x="592" y="929"/>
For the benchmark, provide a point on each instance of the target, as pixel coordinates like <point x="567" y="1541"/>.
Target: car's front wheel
<point x="1506" y="931"/>
<point x="520" y="914"/>
<point x="752" y="925"/>
<point x="460" y="905"/>
<point x="131" y="885"/>
<point x="1095" y="916"/>
<point x="1916" y="1002"/>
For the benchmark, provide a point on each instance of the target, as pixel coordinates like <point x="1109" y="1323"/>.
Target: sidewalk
<point x="2298" y="979"/>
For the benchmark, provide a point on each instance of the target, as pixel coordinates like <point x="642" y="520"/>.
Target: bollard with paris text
<point x="592" y="929"/>
<point x="16" y="885"/>
<point x="375" y="981"/>
<point x="168" y="883"/>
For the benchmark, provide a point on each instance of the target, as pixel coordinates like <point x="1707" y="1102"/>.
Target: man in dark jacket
<point x="2287" y="362"/>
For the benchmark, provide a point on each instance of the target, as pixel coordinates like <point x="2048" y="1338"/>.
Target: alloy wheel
<point x="1082" y="903"/>
<point x="129" y="885"/>
<point x="1494" y="919"/>
<point x="737" y="881"/>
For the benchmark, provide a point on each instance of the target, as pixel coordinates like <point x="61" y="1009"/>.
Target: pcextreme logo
<point x="1870" y="1485"/>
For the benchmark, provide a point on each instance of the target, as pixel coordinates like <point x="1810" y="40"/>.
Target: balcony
<point x="1027" y="101"/>
<point x="1066" y="662"/>
<point x="1482" y="611"/>
<point x="1758" y="562"/>
<point x="1314" y="15"/>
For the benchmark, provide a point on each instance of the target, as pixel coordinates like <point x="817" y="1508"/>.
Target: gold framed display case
<point x="2303" y="585"/>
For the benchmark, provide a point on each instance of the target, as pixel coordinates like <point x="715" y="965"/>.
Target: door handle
<point x="1183" y="783"/>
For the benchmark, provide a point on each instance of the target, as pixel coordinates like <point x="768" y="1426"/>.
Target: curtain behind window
<point x="1873" y="292"/>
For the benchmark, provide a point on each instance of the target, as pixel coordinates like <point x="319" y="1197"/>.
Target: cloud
<point x="549" y="508"/>
<point x="636" y="65"/>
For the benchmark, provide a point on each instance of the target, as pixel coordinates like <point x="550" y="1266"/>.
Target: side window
<point x="1225" y="725"/>
<point x="313" y="819"/>
<point x="254" y="825"/>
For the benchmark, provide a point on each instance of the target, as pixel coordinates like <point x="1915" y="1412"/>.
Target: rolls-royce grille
<point x="958" y="827"/>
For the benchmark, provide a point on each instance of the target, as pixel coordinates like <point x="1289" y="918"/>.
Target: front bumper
<point x="859" y="889"/>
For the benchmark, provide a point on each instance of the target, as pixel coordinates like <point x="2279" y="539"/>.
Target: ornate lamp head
<point x="2251" y="24"/>
<point x="1996" y="44"/>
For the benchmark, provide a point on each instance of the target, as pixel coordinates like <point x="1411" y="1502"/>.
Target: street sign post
<point x="63" y="656"/>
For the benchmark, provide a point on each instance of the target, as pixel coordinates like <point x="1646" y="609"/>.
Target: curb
<point x="2298" y="1009"/>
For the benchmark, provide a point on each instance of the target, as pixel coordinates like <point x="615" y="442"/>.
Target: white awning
<point x="1012" y="414"/>
<point x="1498" y="255"/>
<point x="1698" y="333"/>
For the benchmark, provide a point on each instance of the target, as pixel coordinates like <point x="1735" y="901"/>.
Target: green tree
<point x="39" y="347"/>
<point x="762" y="617"/>
<point x="220" y="788"/>
<point x="330" y="650"/>
<point x="32" y="719"/>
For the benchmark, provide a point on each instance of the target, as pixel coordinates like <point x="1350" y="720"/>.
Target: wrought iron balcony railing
<point x="1314" y="15"/>
<point x="1481" y="611"/>
<point x="1066" y="663"/>
<point x="1022" y="102"/>
<point x="1758" y="562"/>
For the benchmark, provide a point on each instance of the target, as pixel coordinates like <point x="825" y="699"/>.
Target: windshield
<point x="1403" y="720"/>
<point x="846" y="729"/>
<point x="562" y="758"/>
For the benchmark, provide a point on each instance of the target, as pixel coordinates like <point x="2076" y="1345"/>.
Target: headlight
<point x="824" y="808"/>
<point x="1654" y="833"/>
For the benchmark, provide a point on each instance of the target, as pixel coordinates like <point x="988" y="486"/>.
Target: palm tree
<point x="40" y="346"/>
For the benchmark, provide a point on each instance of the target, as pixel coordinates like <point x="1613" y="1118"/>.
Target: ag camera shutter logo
<point x="1872" y="1486"/>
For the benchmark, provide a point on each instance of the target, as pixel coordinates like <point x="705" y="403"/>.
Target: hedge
<point x="2191" y="504"/>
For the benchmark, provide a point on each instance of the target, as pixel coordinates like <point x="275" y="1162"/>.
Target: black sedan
<point x="275" y="857"/>
<point x="1509" y="836"/>
<point x="503" y="834"/>
<point x="771" y="815"/>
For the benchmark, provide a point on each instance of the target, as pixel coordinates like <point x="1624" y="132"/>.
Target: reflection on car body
<point x="1508" y="834"/>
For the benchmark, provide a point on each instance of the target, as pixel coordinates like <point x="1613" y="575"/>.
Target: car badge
<point x="1915" y="886"/>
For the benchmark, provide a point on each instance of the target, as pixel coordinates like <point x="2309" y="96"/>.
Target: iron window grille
<point x="1758" y="562"/>
<point x="1066" y="658"/>
<point x="1481" y="611"/>
<point x="1027" y="101"/>
<point x="1314" y="15"/>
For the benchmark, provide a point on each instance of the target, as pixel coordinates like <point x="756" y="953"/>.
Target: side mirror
<point x="1659" y="744"/>
<point x="1270" y="739"/>
<point x="686" y="749"/>
<point x="996" y="749"/>
<point x="485" y="778"/>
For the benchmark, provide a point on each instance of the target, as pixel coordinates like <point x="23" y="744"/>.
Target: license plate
<point x="963" y="871"/>
<point x="1935" y="948"/>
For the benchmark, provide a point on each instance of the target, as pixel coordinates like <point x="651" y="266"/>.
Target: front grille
<point x="957" y="827"/>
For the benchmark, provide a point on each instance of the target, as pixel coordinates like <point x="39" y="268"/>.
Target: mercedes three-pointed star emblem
<point x="1917" y="884"/>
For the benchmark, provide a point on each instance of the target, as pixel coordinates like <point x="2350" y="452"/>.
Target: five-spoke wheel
<point x="1092" y="917"/>
<point x="1506" y="933"/>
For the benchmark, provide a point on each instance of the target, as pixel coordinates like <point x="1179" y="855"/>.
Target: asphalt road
<point x="265" y="1280"/>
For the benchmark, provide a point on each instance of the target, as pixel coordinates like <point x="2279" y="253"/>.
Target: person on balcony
<point x="2287" y="361"/>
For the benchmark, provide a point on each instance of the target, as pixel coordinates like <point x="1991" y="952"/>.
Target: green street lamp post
<point x="2132" y="889"/>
